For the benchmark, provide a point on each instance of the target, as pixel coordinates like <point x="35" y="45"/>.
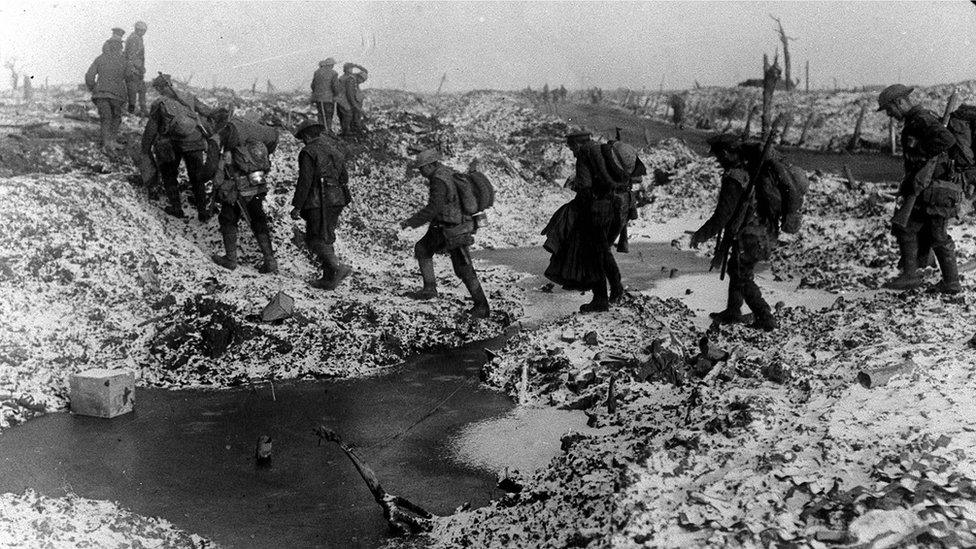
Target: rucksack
<point x="484" y="191"/>
<point x="180" y="121"/>
<point x="782" y="190"/>
<point x="467" y="199"/>
<point x="962" y="124"/>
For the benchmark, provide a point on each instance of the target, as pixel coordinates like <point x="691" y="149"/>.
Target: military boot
<point x="269" y="265"/>
<point x="733" y="308"/>
<point x="321" y="252"/>
<point x="909" y="277"/>
<point x="765" y="321"/>
<point x="600" y="301"/>
<point x="229" y="259"/>
<point x="339" y="270"/>
<point x="950" y="272"/>
<point x="429" y="291"/>
<point x="175" y="207"/>
<point x="471" y="282"/>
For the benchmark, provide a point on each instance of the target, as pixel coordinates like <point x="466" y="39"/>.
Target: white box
<point x="102" y="392"/>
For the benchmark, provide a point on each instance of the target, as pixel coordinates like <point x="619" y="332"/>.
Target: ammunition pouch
<point x="754" y="244"/>
<point x="458" y="235"/>
<point x="942" y="198"/>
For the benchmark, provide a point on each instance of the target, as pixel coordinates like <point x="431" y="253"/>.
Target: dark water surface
<point x="187" y="455"/>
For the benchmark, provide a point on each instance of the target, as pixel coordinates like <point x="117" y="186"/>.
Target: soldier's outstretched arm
<point x="728" y="197"/>
<point x="435" y="202"/>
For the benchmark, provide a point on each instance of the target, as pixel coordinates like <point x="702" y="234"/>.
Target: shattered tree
<point x="785" y="40"/>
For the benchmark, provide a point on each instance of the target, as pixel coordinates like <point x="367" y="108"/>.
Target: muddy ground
<point x="744" y="439"/>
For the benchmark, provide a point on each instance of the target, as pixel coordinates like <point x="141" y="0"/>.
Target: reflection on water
<point x="525" y="439"/>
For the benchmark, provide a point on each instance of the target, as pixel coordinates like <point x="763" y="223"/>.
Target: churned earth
<point x="696" y="436"/>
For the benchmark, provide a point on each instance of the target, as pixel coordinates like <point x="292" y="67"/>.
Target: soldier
<point x="924" y="140"/>
<point x="582" y="259"/>
<point x="241" y="185"/>
<point x="176" y="133"/>
<point x="325" y="88"/>
<point x="117" y="34"/>
<point x="135" y="54"/>
<point x="449" y="231"/>
<point x="106" y="81"/>
<point x="755" y="238"/>
<point x="352" y="76"/>
<point x="321" y="193"/>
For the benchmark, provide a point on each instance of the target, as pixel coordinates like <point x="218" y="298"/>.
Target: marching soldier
<point x="325" y="88"/>
<point x="351" y="108"/>
<point x="321" y="193"/>
<point x="241" y="185"/>
<point x="106" y="80"/>
<point x="754" y="241"/>
<point x="930" y="192"/>
<point x="135" y="54"/>
<point x="449" y="231"/>
<point x="176" y="132"/>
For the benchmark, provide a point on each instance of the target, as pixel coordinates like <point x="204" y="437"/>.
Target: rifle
<point x="731" y="232"/>
<point x="923" y="177"/>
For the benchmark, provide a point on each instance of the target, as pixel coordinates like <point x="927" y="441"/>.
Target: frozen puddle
<point x="705" y="292"/>
<point x="523" y="440"/>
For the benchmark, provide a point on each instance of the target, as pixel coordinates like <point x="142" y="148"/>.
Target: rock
<point x="711" y="352"/>
<point x="568" y="336"/>
<point x="568" y="440"/>
<point x="776" y="372"/>
<point x="591" y="338"/>
<point x="262" y="451"/>
<point x="702" y="367"/>
<point x="509" y="485"/>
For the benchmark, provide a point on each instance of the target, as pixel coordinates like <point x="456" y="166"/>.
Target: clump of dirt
<point x="206" y="327"/>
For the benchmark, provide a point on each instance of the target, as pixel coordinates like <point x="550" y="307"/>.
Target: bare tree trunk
<point x="806" y="128"/>
<point x="808" y="76"/>
<point x="441" y="85"/>
<point x="771" y="75"/>
<point x="786" y="53"/>
<point x="856" y="138"/>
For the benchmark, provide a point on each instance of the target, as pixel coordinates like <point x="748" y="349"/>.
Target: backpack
<point x="782" y="189"/>
<point x="962" y="124"/>
<point x="467" y="199"/>
<point x="251" y="156"/>
<point x="484" y="191"/>
<point x="179" y="122"/>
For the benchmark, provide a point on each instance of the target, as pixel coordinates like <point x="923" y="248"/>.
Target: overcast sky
<point x="503" y="45"/>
